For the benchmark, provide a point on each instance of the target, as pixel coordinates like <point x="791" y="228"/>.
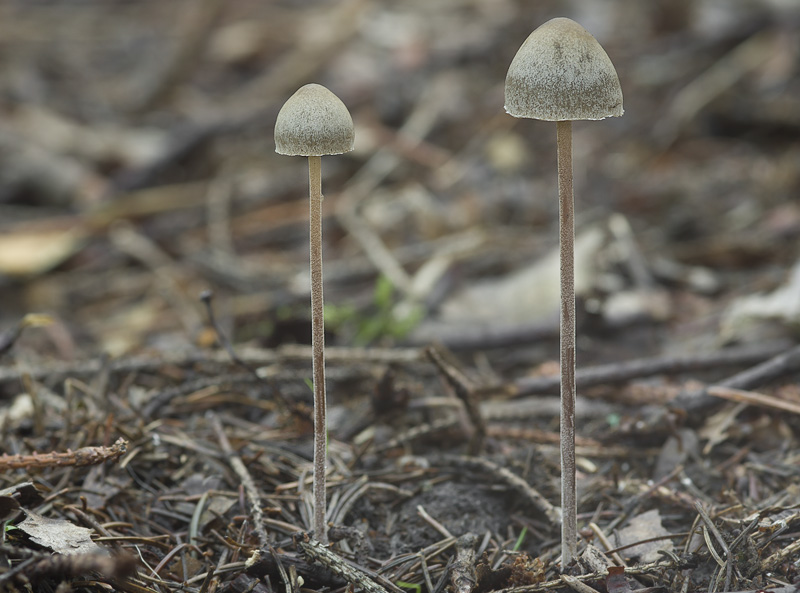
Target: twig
<point x="577" y="585"/>
<point x="79" y="458"/>
<point x="777" y="558"/>
<point x="250" y="489"/>
<point x="641" y="570"/>
<point x="433" y="522"/>
<point x="552" y="513"/>
<point x="465" y="389"/>
<point x="698" y="403"/>
<point x="417" y="432"/>
<point x="340" y="567"/>
<point x="728" y="561"/>
<point x="426" y="574"/>
<point x="462" y="575"/>
<point x="252" y="356"/>
<point x="646" y="367"/>
<point x="265" y="564"/>
<point x="609" y="549"/>
<point x="753" y="398"/>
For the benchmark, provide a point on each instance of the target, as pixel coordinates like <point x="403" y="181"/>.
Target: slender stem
<point x="318" y="345"/>
<point x="566" y="220"/>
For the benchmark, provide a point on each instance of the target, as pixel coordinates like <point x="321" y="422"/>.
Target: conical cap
<point x="313" y="122"/>
<point x="562" y="73"/>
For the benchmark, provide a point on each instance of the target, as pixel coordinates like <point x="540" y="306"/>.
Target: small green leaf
<point x="383" y="293"/>
<point x="520" y="539"/>
<point x="414" y="586"/>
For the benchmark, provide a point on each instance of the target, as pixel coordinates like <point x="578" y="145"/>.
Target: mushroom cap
<point x="313" y="122"/>
<point x="562" y="73"/>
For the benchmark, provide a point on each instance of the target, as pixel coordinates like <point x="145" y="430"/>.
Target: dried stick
<point x="527" y="491"/>
<point x="753" y="398"/>
<point x="249" y="485"/>
<point x="726" y="560"/>
<point x="340" y="567"/>
<point x="609" y="549"/>
<point x="465" y="389"/>
<point x="79" y="458"/>
<point x="700" y="402"/>
<point x="415" y="433"/>
<point x="252" y="356"/>
<point x="433" y="522"/>
<point x="780" y="556"/>
<point x="646" y="367"/>
<point x="463" y="575"/>
<point x="644" y="569"/>
<point x="577" y="585"/>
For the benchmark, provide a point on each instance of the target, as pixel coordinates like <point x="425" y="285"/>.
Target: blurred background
<point x="137" y="169"/>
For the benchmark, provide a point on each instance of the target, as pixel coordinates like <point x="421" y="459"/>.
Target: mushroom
<point x="314" y="122"/>
<point x="562" y="74"/>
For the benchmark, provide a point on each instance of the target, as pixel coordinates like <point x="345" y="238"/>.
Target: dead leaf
<point x="59" y="535"/>
<point x="645" y="527"/>
<point x="675" y="451"/>
<point x="765" y="314"/>
<point x="28" y="252"/>
<point x="616" y="581"/>
<point x="530" y="294"/>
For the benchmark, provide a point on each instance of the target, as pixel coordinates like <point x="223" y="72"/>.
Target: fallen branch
<point x="79" y="458"/>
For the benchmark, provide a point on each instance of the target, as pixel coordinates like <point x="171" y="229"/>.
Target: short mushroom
<point x="312" y="123"/>
<point x="561" y="73"/>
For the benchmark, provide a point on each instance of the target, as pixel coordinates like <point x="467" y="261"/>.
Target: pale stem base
<point x="566" y="220"/>
<point x="318" y="346"/>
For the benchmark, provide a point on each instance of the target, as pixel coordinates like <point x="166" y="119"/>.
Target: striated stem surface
<point x="318" y="346"/>
<point x="566" y="220"/>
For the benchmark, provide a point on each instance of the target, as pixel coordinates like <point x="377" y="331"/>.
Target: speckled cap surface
<point x="562" y="73"/>
<point x="313" y="122"/>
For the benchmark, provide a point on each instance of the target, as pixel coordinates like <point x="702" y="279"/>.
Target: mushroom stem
<point x="318" y="345"/>
<point x="566" y="220"/>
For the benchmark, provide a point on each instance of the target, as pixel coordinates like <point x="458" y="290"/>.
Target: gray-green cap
<point x="562" y="73"/>
<point x="313" y="122"/>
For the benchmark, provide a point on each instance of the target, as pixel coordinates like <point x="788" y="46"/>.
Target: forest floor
<point x="155" y="406"/>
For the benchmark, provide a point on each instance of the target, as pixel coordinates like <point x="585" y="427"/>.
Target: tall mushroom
<point x="562" y="74"/>
<point x="312" y="123"/>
